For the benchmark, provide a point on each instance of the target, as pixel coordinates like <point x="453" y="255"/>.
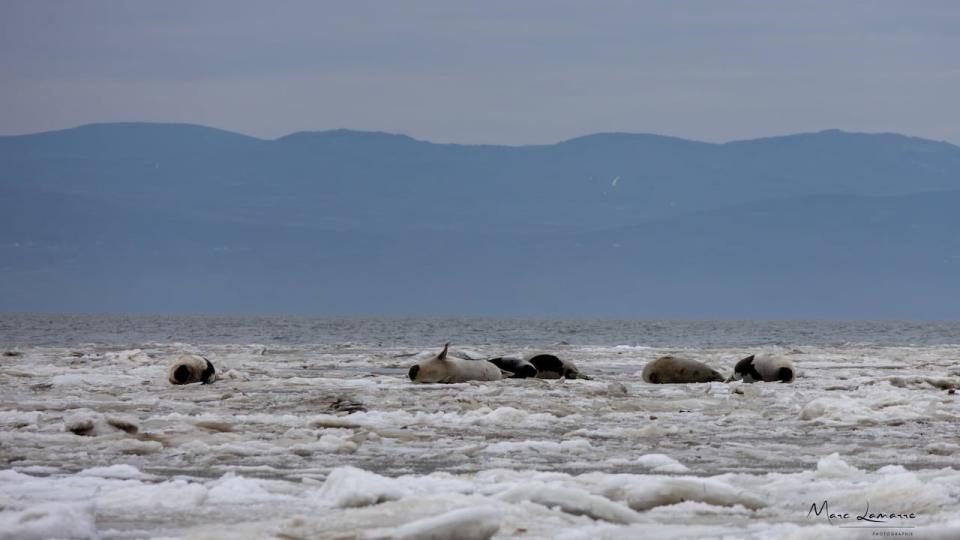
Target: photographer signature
<point x="867" y="516"/>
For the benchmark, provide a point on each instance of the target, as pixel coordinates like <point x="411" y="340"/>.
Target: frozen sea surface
<point x="319" y="434"/>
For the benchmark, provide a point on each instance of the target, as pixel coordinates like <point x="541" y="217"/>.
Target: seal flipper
<point x="209" y="374"/>
<point x="785" y="374"/>
<point x="443" y="353"/>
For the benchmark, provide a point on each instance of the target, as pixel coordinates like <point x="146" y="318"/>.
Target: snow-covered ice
<point x="333" y="441"/>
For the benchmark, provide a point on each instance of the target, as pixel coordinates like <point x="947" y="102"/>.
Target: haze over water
<point x="132" y="330"/>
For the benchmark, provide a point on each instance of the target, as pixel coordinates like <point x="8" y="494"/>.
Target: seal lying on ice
<point x="764" y="367"/>
<point x="190" y="368"/>
<point x="443" y="368"/>
<point x="551" y="367"/>
<point x="520" y="368"/>
<point x="675" y="370"/>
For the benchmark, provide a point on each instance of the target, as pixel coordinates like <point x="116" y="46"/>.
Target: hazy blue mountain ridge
<point x="181" y="218"/>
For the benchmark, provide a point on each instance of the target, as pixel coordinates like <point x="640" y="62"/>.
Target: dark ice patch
<point x="84" y="428"/>
<point x="123" y="425"/>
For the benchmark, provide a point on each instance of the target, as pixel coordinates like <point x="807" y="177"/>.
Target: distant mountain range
<point x="175" y="218"/>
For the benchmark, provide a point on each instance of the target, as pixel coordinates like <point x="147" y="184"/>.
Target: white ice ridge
<point x="121" y="471"/>
<point x="487" y="417"/>
<point x="49" y="520"/>
<point x="571" y="500"/>
<point x="662" y="463"/>
<point x="349" y="486"/>
<point x="464" y="524"/>
<point x="882" y="406"/>
<point x="358" y="502"/>
<point x="131" y="355"/>
<point x="647" y="494"/>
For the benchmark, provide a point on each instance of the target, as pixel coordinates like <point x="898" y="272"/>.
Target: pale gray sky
<point x="486" y="72"/>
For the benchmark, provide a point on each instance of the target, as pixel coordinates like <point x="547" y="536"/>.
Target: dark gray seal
<point x="551" y="367"/>
<point x="676" y="370"/>
<point x="520" y="368"/>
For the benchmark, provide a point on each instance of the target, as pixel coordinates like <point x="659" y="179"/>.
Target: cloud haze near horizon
<point x="506" y="73"/>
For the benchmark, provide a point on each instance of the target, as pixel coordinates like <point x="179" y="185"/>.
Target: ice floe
<point x="328" y="441"/>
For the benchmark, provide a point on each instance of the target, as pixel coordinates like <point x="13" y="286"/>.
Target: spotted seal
<point x="190" y="368"/>
<point x="676" y="370"/>
<point x="444" y="368"/>
<point x="764" y="367"/>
